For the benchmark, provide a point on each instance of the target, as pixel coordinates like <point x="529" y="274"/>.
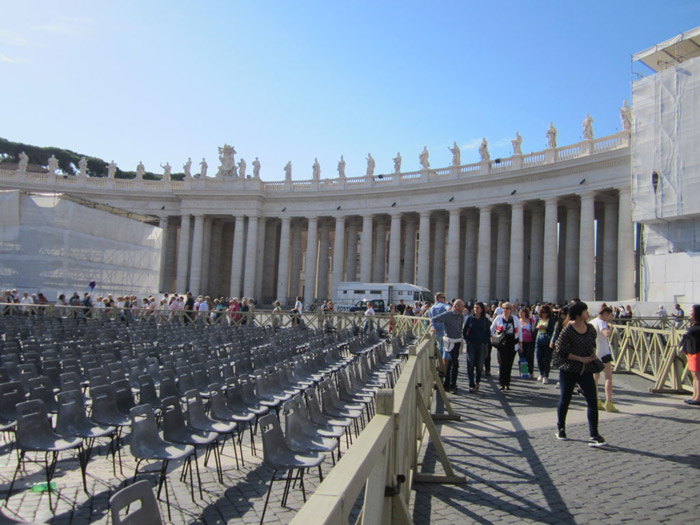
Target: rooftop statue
<point x="517" y="142"/>
<point x="227" y="160"/>
<point x="588" y="127"/>
<point x="23" y="161"/>
<point x="242" y="166"/>
<point x="552" y="136"/>
<point x="111" y="170"/>
<point x="370" y="165"/>
<point x="316" y="170"/>
<point x="456" y="154"/>
<point x="188" y="167"/>
<point x="341" y="167"/>
<point x="204" y="167"/>
<point x="423" y="158"/>
<point x="167" y="168"/>
<point x="256" y="168"/>
<point x="484" y="150"/>
<point x="53" y="164"/>
<point x="288" y="171"/>
<point x="82" y="167"/>
<point x="626" y="116"/>
<point x="397" y="163"/>
<point x="140" y="170"/>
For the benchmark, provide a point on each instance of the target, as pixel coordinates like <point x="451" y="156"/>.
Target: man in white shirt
<point x="369" y="318"/>
<point x="298" y="306"/>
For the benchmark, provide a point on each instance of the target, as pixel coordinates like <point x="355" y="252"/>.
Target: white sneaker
<point x="539" y="379"/>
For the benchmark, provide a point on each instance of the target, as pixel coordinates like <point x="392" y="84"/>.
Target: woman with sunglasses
<point x="507" y="326"/>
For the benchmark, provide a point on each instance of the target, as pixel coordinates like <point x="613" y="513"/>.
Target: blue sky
<point x="162" y="81"/>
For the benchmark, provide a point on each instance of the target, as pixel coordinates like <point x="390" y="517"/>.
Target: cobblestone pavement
<point x="516" y="470"/>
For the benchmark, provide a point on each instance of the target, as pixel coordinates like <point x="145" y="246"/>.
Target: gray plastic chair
<point x="146" y="444"/>
<point x="220" y="412"/>
<point x="247" y="410"/>
<point x="106" y="413"/>
<point x="11" y="394"/>
<point x="280" y="458"/>
<point x="300" y="434"/>
<point x="147" y="513"/>
<point x="34" y="434"/>
<point x="40" y="388"/>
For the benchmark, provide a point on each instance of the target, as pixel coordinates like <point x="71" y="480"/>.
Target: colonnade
<point x="553" y="249"/>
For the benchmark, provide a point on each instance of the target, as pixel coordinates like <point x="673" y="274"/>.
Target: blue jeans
<point x="567" y="383"/>
<point x="544" y="354"/>
<point x="475" y="360"/>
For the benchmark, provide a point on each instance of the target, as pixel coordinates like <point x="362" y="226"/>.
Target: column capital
<point x="455" y="211"/>
<point x="485" y="209"/>
<point x="587" y="195"/>
<point x="551" y="200"/>
<point x="517" y="205"/>
<point x="425" y="213"/>
<point x="396" y="214"/>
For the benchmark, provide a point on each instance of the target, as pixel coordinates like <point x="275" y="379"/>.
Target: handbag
<point x="598" y="366"/>
<point x="498" y="339"/>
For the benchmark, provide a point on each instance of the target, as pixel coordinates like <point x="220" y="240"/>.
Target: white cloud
<point x="13" y="39"/>
<point x="11" y="60"/>
<point x="472" y="144"/>
<point x="67" y="25"/>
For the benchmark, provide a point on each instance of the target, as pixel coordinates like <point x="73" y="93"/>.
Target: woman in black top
<point x="574" y="355"/>
<point x="690" y="345"/>
<point x="544" y="330"/>
<point x="477" y="333"/>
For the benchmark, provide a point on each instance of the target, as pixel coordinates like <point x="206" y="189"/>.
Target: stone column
<point x="536" y="253"/>
<point x="424" y="250"/>
<point x="197" y="248"/>
<point x="351" y="272"/>
<point x="517" y="251"/>
<point x="323" y="262"/>
<point x="183" y="254"/>
<point x="409" y="254"/>
<point x="573" y="229"/>
<point x="503" y="257"/>
<point x="295" y="267"/>
<point x="283" y="267"/>
<point x="470" y="253"/>
<point x="251" y="254"/>
<point x="394" y="274"/>
<point x="215" y="267"/>
<point x="453" y="245"/>
<point x="206" y="256"/>
<point x="366" y="249"/>
<point x="483" y="268"/>
<point x="610" y="252"/>
<point x="550" y="262"/>
<point x="268" y="286"/>
<point x="338" y="255"/>
<point x="237" y="257"/>
<point x="586" y="248"/>
<point x="380" y="252"/>
<point x="439" y="255"/>
<point x="310" y="265"/>
<point x="625" y="248"/>
<point x="262" y="259"/>
<point x="164" y="262"/>
<point x="599" y="237"/>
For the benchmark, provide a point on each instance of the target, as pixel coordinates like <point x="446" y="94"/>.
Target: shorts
<point x="694" y="362"/>
<point x="607" y="358"/>
<point x="445" y="354"/>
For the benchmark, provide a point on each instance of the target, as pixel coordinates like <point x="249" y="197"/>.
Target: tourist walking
<point x="477" y="331"/>
<point x="527" y="350"/>
<point x="690" y="346"/>
<point x="543" y="336"/>
<point x="438" y="308"/>
<point x="575" y="356"/>
<point x="453" y="321"/>
<point x="603" y="332"/>
<point x="506" y="336"/>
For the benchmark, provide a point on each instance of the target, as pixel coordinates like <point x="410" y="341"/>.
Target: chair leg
<point x="287" y="486"/>
<point x="267" y="498"/>
<point x="164" y="481"/>
<point x="83" y="467"/>
<point x="12" y="484"/>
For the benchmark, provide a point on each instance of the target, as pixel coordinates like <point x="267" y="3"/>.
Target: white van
<point x="350" y="293"/>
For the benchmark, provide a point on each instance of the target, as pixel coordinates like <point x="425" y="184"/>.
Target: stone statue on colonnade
<point x="256" y="168"/>
<point x="588" y="127"/>
<point x="517" y="143"/>
<point x="370" y="165"/>
<point x="227" y="160"/>
<point x="341" y="167"/>
<point x="423" y="158"/>
<point x="203" y="168"/>
<point x="167" y="168"/>
<point x="316" y="173"/>
<point x="82" y="167"/>
<point x="53" y="164"/>
<point x="484" y="150"/>
<point x="288" y="171"/>
<point x="626" y="116"/>
<point x="551" y="136"/>
<point x="111" y="170"/>
<point x="242" y="166"/>
<point x="140" y="171"/>
<point x="397" y="163"/>
<point x="456" y="154"/>
<point x="188" y="167"/>
<point x="23" y="161"/>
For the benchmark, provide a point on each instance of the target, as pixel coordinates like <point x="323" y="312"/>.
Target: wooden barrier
<point x="384" y="459"/>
